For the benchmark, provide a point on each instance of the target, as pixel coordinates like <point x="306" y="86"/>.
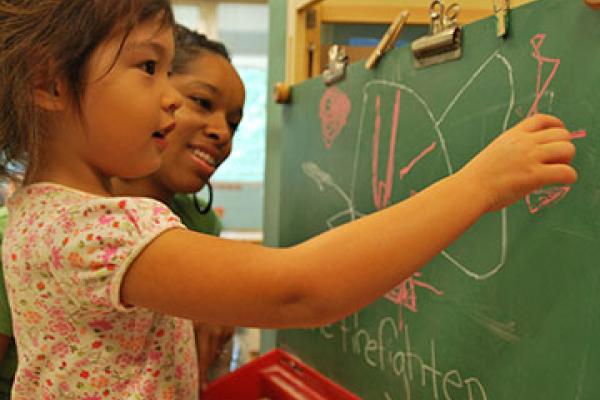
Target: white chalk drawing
<point x="323" y="179"/>
<point x="436" y="122"/>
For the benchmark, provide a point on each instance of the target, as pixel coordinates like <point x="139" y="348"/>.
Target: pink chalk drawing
<point x="335" y="107"/>
<point x="544" y="197"/>
<point x="580" y="134"/>
<point x="382" y="190"/>
<point x="540" y="89"/>
<point x="404" y="171"/>
<point x="405" y="295"/>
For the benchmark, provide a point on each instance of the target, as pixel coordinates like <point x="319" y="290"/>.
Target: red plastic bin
<point x="276" y="375"/>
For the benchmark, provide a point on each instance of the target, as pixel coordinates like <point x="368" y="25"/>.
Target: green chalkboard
<point x="512" y="309"/>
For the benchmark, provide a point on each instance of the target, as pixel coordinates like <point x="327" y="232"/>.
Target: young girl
<point x="213" y="95"/>
<point x="103" y="288"/>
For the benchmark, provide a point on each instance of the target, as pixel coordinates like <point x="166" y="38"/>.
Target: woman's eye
<point x="202" y="102"/>
<point x="149" y="67"/>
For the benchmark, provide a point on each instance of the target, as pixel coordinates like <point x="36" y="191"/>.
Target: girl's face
<point x="129" y="104"/>
<point x="212" y="109"/>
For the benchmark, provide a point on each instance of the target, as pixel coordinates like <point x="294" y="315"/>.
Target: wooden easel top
<point x="303" y="39"/>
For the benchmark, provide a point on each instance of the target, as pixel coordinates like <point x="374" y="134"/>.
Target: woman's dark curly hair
<point x="190" y="44"/>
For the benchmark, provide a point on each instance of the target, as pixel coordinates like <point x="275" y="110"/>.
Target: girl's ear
<point x="51" y="95"/>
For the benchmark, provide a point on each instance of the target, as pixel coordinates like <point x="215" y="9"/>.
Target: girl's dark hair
<point x="42" y="40"/>
<point x="190" y="44"/>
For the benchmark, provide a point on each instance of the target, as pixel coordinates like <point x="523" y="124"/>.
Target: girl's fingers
<point x="552" y="135"/>
<point x="557" y="174"/>
<point x="539" y="122"/>
<point x="557" y="152"/>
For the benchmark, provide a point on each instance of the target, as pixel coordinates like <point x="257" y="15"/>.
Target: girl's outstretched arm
<point x="333" y="274"/>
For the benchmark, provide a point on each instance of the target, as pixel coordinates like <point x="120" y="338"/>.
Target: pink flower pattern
<point x="65" y="253"/>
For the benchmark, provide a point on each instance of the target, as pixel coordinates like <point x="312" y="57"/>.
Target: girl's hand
<point x="534" y="153"/>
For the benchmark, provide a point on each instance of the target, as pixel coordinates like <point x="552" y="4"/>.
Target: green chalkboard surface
<point x="512" y="309"/>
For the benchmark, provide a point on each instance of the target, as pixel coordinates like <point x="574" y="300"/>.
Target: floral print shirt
<point x="65" y="253"/>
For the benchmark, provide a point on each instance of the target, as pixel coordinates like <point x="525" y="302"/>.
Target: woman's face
<point x="212" y="109"/>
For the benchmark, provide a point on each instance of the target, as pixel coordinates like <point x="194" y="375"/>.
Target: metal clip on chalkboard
<point x="444" y="41"/>
<point x="336" y="68"/>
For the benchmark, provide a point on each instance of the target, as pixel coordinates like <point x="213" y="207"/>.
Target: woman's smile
<point x="206" y="162"/>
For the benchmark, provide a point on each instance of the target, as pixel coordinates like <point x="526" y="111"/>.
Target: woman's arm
<point x="211" y="341"/>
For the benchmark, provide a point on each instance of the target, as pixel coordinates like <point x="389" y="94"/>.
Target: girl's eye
<point x="202" y="102"/>
<point x="149" y="67"/>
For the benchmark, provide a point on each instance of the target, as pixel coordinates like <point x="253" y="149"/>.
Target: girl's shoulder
<point x="49" y="194"/>
<point x="53" y="201"/>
